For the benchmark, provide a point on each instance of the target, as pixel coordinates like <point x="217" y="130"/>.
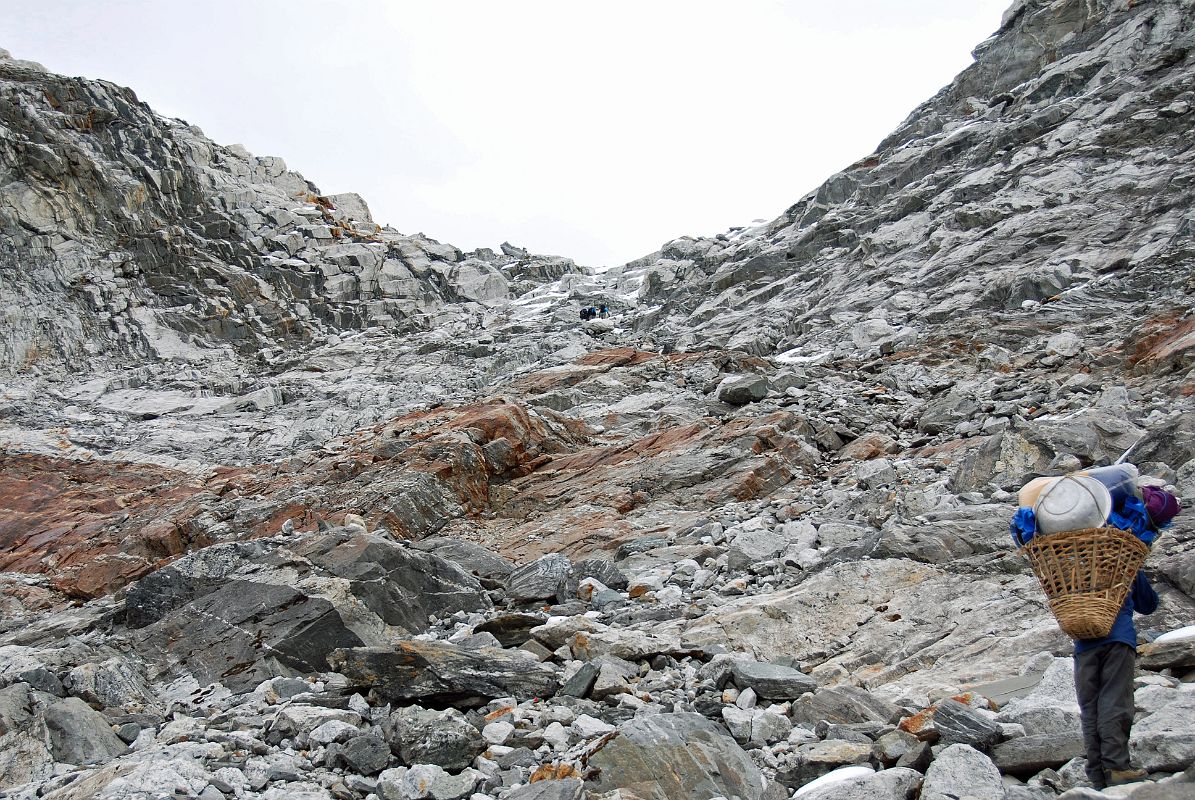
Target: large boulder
<point x="1027" y="755"/>
<point x="1165" y="740"/>
<point x="676" y="757"/>
<point x="475" y="559"/>
<point x="960" y="724"/>
<point x="79" y="734"/>
<point x="401" y="585"/>
<point x="248" y="632"/>
<point x="842" y="704"/>
<point x="24" y="755"/>
<point x="441" y="673"/>
<point x="772" y="681"/>
<point x="962" y="771"/>
<point x="739" y="390"/>
<point x="444" y="738"/>
<point x="113" y="683"/>
<point x="542" y="579"/>
<point x="245" y="612"/>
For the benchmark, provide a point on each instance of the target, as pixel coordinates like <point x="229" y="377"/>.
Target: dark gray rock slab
<point x="581" y="682"/>
<point x="542" y="579"/>
<point x="601" y="569"/>
<point x="475" y="559"/>
<point x="438" y="672"/>
<point x="246" y="632"/>
<point x="772" y="681"/>
<point x="640" y="545"/>
<point x="676" y="757"/>
<point x="960" y="724"/>
<point x="918" y="757"/>
<point x="365" y="755"/>
<point x="79" y="734"/>
<point x="889" y="748"/>
<point x="242" y="614"/>
<point x="43" y="680"/>
<point x="190" y="577"/>
<point x="842" y="704"/>
<point x="402" y="585"/>
<point x="739" y="390"/>
<point x="1027" y="755"/>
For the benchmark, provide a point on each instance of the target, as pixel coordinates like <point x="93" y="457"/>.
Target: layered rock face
<point x="295" y="505"/>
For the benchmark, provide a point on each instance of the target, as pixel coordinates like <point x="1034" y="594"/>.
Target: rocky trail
<point x="294" y="505"/>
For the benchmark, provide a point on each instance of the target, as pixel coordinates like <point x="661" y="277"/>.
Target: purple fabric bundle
<point x="1160" y="504"/>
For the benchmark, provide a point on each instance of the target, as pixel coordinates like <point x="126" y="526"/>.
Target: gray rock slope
<point x="1052" y="176"/>
<point x="295" y="505"/>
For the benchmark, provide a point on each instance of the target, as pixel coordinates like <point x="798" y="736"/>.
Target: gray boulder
<point x="475" y="559"/>
<point x="676" y="757"/>
<point x="511" y="630"/>
<point x="1027" y="755"/>
<point x="240" y="614"/>
<point x="245" y="633"/>
<point x="842" y="704"/>
<point x="365" y="754"/>
<point x="739" y="390"/>
<point x="772" y="681"/>
<point x="1165" y="740"/>
<point x="601" y="569"/>
<point x="960" y="724"/>
<point x="401" y="585"/>
<point x="443" y="738"/>
<point x="114" y="683"/>
<point x="79" y="734"/>
<point x="542" y="579"/>
<point x="947" y="411"/>
<point x="962" y="771"/>
<point x="898" y="783"/>
<point x="24" y="756"/>
<point x="1177" y="654"/>
<point x="581" y="682"/>
<point x="443" y="673"/>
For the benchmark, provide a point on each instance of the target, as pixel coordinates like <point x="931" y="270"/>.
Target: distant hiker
<point x="603" y="312"/>
<point x="1104" y="671"/>
<point x="584" y="314"/>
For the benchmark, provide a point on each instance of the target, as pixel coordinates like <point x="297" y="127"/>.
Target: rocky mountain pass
<point x="294" y="505"/>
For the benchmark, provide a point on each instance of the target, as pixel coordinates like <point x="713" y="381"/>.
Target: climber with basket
<point x="1087" y="535"/>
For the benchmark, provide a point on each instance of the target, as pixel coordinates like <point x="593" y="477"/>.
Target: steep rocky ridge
<point x="249" y="437"/>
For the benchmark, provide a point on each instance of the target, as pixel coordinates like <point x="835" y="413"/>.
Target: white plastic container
<point x="1027" y="497"/>
<point x="1071" y="503"/>
<point x="1121" y="480"/>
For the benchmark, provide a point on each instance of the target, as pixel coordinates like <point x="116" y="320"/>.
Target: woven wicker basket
<point x="1086" y="575"/>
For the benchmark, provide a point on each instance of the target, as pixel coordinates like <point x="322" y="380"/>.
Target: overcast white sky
<point x="595" y="130"/>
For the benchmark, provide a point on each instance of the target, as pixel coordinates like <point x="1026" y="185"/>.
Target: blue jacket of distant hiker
<point x="1142" y="599"/>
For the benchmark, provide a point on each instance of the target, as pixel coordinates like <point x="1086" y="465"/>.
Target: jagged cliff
<point x="266" y="466"/>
